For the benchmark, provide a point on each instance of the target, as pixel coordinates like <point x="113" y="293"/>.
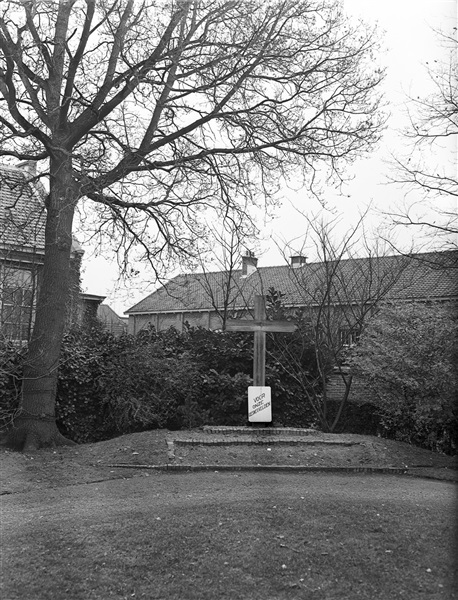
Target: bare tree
<point x="339" y="294"/>
<point x="155" y="112"/>
<point x="220" y="266"/>
<point x="433" y="128"/>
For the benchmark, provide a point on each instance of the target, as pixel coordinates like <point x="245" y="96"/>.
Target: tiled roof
<point x="424" y="276"/>
<point x="22" y="211"/>
<point x="113" y="322"/>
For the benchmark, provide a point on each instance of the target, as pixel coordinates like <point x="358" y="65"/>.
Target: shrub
<point x="79" y="410"/>
<point x="226" y="362"/>
<point x="10" y="377"/>
<point x="406" y="361"/>
<point x="144" y="388"/>
<point x="110" y="386"/>
<point x="224" y="352"/>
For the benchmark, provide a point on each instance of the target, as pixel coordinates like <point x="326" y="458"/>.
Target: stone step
<point x="216" y="468"/>
<point x="284" y="431"/>
<point x="202" y="441"/>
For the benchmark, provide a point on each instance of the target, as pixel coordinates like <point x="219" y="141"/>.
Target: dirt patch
<point x="271" y="453"/>
<point x="320" y="449"/>
<point x="280" y="456"/>
<point x="88" y="463"/>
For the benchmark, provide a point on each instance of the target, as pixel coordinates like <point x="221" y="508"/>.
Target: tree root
<point x="30" y="435"/>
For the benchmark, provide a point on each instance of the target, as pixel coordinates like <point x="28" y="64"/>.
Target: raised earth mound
<point x="217" y="448"/>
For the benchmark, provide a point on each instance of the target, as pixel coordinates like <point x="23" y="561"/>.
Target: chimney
<point x="249" y="264"/>
<point x="298" y="261"/>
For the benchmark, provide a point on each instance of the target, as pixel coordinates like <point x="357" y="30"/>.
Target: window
<point x="348" y="337"/>
<point x="17" y="298"/>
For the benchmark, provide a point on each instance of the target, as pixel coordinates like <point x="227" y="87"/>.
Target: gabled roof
<point x="422" y="276"/>
<point x="22" y="211"/>
<point x="112" y="321"/>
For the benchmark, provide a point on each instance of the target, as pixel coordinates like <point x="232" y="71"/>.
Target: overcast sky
<point x="409" y="43"/>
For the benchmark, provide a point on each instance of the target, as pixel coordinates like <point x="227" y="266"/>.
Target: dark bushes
<point x="10" y="382"/>
<point x="110" y="386"/>
<point x="406" y="363"/>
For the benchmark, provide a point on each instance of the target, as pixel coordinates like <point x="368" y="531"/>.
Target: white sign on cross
<point x="259" y="405"/>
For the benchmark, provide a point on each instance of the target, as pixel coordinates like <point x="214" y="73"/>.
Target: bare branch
<point x="430" y="169"/>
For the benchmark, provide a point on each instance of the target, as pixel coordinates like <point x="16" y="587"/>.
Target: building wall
<point x="19" y="285"/>
<point x="336" y="388"/>
<point x="169" y="320"/>
<point x="203" y="319"/>
<point x="18" y="293"/>
<point x="163" y="321"/>
<point x="111" y="321"/>
<point x="138" y="322"/>
<point x="215" y="321"/>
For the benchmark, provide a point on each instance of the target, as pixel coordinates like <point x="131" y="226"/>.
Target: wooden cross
<point x="260" y="325"/>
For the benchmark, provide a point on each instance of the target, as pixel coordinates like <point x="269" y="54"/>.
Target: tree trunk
<point x="347" y="381"/>
<point x="36" y="424"/>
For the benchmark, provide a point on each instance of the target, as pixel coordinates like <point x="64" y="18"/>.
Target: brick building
<point x="22" y="248"/>
<point x="205" y="299"/>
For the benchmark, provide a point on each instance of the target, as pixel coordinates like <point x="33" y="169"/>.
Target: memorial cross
<point x="260" y="325"/>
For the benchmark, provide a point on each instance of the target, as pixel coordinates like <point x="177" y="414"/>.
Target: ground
<point x="233" y="536"/>
<point x="50" y="468"/>
<point x="96" y="521"/>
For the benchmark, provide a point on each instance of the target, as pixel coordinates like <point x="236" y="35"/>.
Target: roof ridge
<point x="320" y="262"/>
<point x="186" y="291"/>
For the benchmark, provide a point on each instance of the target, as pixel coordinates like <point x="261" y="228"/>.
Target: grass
<point x="211" y="536"/>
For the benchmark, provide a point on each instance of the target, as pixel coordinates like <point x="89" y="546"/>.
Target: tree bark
<point x="347" y="381"/>
<point x="35" y="426"/>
